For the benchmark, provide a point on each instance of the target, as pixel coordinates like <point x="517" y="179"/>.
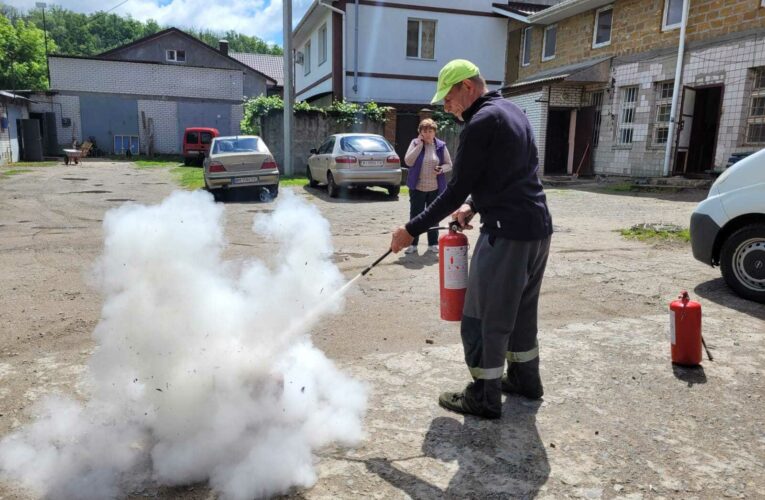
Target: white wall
<point x="535" y="107"/>
<point x="164" y="115"/>
<point x="382" y="49"/>
<point x="115" y="77"/>
<point x="318" y="71"/>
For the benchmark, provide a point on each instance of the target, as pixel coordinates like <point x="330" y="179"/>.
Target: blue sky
<point x="261" y="18"/>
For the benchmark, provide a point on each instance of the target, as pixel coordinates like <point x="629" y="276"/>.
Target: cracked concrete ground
<point x="617" y="420"/>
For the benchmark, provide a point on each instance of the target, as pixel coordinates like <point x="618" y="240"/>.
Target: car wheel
<point x="393" y="191"/>
<point x="742" y="262"/>
<point x="272" y="192"/>
<point x="311" y="181"/>
<point x="333" y="190"/>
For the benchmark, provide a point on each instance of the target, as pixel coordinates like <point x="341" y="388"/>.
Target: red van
<point x="196" y="143"/>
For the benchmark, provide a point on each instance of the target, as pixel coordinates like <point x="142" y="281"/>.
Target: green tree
<point x="91" y="34"/>
<point x="22" y="55"/>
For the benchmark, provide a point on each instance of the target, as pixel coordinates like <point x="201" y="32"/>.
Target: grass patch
<point x="156" y="163"/>
<point x="628" y="187"/>
<point x="189" y="177"/>
<point x="622" y="187"/>
<point x="16" y="171"/>
<point x="293" y="180"/>
<point x="656" y="232"/>
<point x="35" y="164"/>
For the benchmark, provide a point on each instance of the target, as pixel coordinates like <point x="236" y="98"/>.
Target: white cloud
<point x="261" y="18"/>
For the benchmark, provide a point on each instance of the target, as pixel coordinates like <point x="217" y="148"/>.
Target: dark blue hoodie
<point x="497" y="166"/>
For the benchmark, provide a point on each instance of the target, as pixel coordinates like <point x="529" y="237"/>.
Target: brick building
<point x="597" y="78"/>
<point x="141" y="96"/>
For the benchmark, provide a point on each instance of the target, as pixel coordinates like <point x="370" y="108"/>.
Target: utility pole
<point x="42" y="5"/>
<point x="288" y="84"/>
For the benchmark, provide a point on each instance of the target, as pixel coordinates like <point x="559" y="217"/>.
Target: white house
<point x="391" y="52"/>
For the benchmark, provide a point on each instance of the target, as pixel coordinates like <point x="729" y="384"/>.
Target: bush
<point x="347" y="113"/>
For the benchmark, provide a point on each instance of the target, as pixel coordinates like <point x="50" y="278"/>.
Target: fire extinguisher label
<point x="455" y="267"/>
<point x="672" y="327"/>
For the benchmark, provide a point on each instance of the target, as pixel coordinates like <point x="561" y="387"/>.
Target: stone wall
<point x="309" y="131"/>
<point x="637" y="28"/>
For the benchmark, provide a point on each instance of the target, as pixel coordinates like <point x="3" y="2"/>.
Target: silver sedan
<point x="345" y="160"/>
<point x="242" y="161"/>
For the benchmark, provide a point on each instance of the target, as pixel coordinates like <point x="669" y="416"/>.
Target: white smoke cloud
<point x="203" y="370"/>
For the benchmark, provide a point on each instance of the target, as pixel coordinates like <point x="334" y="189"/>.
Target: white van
<point x="728" y="228"/>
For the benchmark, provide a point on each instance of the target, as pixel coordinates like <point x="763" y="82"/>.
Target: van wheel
<point x="742" y="262"/>
<point x="311" y="181"/>
<point x="186" y="161"/>
<point x="333" y="190"/>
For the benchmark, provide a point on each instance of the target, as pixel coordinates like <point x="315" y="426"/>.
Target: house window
<point x="322" y="44"/>
<point x="755" y="130"/>
<point x="175" y="55"/>
<point x="673" y="14"/>
<point x="548" y="44"/>
<point x="627" y="115"/>
<point x="421" y="38"/>
<point x="526" y="47"/>
<point x="307" y="58"/>
<point x="596" y="101"/>
<point x="124" y="143"/>
<point x="602" y="32"/>
<point x="663" y="112"/>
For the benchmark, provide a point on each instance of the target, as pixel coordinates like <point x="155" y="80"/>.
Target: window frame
<point x="595" y="44"/>
<point x="323" y="44"/>
<point x="544" y="42"/>
<point x="132" y="140"/>
<point x="526" y="36"/>
<point x="420" y="21"/>
<point x="174" y="57"/>
<point x="662" y="101"/>
<point x="664" y="25"/>
<point x="307" y="58"/>
<point x="623" y="125"/>
<point x="758" y="74"/>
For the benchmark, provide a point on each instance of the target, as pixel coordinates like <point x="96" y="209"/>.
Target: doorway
<point x="406" y="130"/>
<point x="703" y="135"/>
<point x="556" y="143"/>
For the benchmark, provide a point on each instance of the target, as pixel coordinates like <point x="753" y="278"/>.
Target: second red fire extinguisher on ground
<point x="685" y="330"/>
<point x="453" y="272"/>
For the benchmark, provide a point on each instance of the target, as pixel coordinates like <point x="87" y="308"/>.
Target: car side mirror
<point x="314" y="151"/>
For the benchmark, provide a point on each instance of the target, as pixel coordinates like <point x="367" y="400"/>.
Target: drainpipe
<point x="345" y="49"/>
<point x="356" y="50"/>
<point x="676" y="89"/>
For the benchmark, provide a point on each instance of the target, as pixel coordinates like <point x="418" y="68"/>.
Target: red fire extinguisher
<point x="453" y="272"/>
<point x="685" y="330"/>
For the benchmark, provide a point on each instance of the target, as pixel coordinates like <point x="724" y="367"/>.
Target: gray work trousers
<point x="499" y="321"/>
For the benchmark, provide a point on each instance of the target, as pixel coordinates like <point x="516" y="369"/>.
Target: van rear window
<point x="192" y="138"/>
<point x="206" y="137"/>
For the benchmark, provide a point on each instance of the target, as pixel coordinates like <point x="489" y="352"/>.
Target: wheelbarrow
<point x="75" y="154"/>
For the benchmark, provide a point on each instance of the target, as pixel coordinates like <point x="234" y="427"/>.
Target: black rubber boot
<point x="523" y="379"/>
<point x="462" y="402"/>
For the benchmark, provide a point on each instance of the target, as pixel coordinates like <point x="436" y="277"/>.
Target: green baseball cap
<point x="454" y="72"/>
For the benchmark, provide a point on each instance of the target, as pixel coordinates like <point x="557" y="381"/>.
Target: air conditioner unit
<point x="298" y="58"/>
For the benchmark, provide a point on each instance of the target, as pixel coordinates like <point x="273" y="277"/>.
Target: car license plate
<point x="371" y="163"/>
<point x="244" y="180"/>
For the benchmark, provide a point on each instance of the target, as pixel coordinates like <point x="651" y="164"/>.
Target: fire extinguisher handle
<point x="455" y="226"/>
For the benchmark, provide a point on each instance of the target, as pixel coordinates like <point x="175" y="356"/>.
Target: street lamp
<point x="42" y="5"/>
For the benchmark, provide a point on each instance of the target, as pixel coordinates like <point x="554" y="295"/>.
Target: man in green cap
<point x="495" y="174"/>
